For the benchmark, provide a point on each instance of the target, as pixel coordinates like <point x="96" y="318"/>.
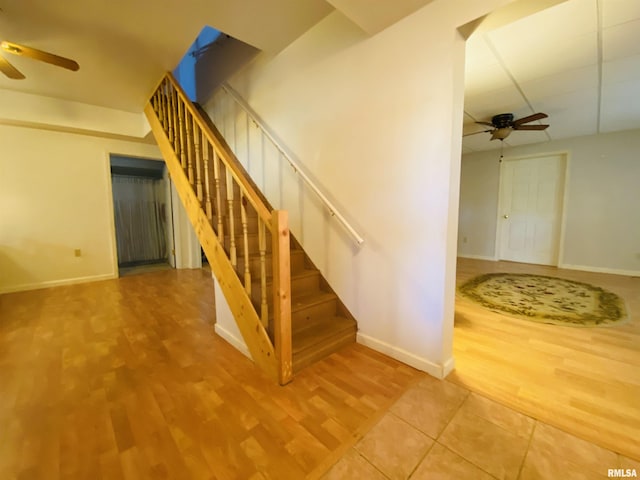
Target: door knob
<point x="505" y="216"/>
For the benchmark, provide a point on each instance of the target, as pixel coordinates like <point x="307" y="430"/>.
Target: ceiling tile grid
<point x="578" y="62"/>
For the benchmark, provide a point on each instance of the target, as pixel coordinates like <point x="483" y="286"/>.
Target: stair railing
<point x="333" y="211"/>
<point x="236" y="229"/>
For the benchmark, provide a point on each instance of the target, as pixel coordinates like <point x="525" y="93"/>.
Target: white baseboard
<point x="433" y="369"/>
<point x="57" y="283"/>
<point x="234" y="341"/>
<point x="613" y="271"/>
<point x="477" y="257"/>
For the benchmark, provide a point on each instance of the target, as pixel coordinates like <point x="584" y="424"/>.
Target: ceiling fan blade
<point x="9" y="70"/>
<point x="530" y="118"/>
<point x="475" y="133"/>
<point x="531" y="127"/>
<point x="36" y="54"/>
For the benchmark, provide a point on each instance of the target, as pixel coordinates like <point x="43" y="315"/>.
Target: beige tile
<point x="430" y="405"/>
<point x="490" y="447"/>
<point x="499" y="415"/>
<point x="394" y="447"/>
<point x="443" y="464"/>
<point x="553" y="448"/>
<point x="352" y="465"/>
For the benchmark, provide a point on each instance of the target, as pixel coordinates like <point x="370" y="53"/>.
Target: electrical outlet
<point x="77" y="252"/>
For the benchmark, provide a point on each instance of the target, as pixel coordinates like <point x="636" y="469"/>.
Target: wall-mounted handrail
<point x="333" y="211"/>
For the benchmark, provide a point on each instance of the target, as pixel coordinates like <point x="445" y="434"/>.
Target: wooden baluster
<point x="232" y="231"/>
<point x="154" y="104"/>
<point x="182" y="137"/>
<point x="160" y="106"/>
<point x="176" y="132"/>
<point x="188" y="121"/>
<point x="216" y="176"/>
<point x="171" y="114"/>
<point x="245" y="239"/>
<point x="198" y="159"/>
<point x="262" y="246"/>
<point x="207" y="185"/>
<point x="167" y="111"/>
<point x="281" y="293"/>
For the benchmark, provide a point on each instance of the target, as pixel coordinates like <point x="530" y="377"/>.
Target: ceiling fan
<point x="503" y="124"/>
<point x="16" y="49"/>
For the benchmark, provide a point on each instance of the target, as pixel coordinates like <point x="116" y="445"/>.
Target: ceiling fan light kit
<point x="33" y="53"/>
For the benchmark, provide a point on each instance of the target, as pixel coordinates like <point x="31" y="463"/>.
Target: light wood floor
<point x="125" y="379"/>
<point x="585" y="381"/>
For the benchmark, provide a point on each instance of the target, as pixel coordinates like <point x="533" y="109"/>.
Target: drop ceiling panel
<point x="548" y="58"/>
<point x="621" y="40"/>
<point x="550" y="24"/>
<point x="620" y="106"/>
<point x="567" y="101"/>
<point x="478" y="53"/>
<point x="487" y="77"/>
<point x="615" y="12"/>
<point x="621" y="70"/>
<point x="486" y="105"/>
<point x="580" y="120"/>
<point x="561" y="82"/>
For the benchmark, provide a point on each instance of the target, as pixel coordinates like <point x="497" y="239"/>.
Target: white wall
<point x="377" y="122"/>
<point x="55" y="197"/>
<point x="602" y="218"/>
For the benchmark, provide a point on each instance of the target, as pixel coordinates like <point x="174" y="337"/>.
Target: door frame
<point x="563" y="214"/>
<point x="112" y="224"/>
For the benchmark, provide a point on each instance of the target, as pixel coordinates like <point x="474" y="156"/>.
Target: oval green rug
<point x="546" y="299"/>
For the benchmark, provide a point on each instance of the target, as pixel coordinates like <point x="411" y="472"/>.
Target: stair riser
<point x="300" y="285"/>
<point x="304" y="318"/>
<point x="297" y="264"/>
<point x="252" y="225"/>
<point x="253" y="242"/>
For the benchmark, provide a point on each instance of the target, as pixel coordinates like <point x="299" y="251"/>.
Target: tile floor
<point x="438" y="430"/>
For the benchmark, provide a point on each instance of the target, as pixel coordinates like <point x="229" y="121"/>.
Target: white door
<point x="531" y="198"/>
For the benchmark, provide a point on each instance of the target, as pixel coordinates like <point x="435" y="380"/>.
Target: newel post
<point x="282" y="294"/>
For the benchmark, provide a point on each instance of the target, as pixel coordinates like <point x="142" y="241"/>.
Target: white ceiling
<point x="374" y="16"/>
<point x="578" y="62"/>
<point x="125" y="46"/>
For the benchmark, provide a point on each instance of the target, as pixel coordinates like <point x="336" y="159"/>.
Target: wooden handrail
<point x="238" y="176"/>
<point x="333" y="211"/>
<point x="206" y="174"/>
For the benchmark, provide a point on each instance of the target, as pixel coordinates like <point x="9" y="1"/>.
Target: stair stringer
<point x="248" y="321"/>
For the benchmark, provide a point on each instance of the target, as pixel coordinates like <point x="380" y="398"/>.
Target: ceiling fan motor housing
<point x="503" y="120"/>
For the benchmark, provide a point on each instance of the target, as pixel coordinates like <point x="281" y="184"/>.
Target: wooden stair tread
<point x="307" y="272"/>
<point x="309" y="299"/>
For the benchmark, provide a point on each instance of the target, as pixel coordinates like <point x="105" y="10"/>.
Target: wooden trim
<point x="282" y="294"/>
<point x="247" y="319"/>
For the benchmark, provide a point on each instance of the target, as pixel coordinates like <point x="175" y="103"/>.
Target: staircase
<point x="288" y="315"/>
